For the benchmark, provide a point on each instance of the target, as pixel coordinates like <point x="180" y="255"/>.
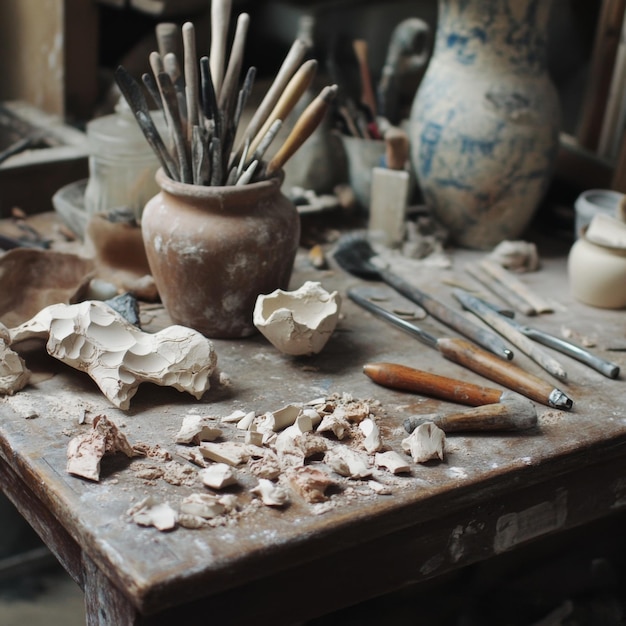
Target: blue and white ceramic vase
<point x="485" y="120"/>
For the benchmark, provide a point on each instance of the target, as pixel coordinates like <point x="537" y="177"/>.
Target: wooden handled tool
<point x="191" y="77"/>
<point x="304" y="127"/>
<point x="367" y="91"/>
<point x="286" y="71"/>
<point x="396" y="148"/>
<point x="504" y="328"/>
<point x="474" y="358"/>
<point x="513" y="412"/>
<point x="220" y="20"/>
<point x="167" y="38"/>
<point x="406" y="378"/>
<point x="294" y="90"/>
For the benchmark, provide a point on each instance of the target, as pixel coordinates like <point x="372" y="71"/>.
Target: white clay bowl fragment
<point x="298" y="322"/>
<point x="426" y="442"/>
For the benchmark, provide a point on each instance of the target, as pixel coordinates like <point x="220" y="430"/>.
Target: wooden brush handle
<point x="304" y="127"/>
<point x="235" y="61"/>
<point x="220" y="21"/>
<point x="296" y="87"/>
<point x="167" y="35"/>
<point x="191" y="77"/>
<point x="418" y="381"/>
<point x="367" y="91"/>
<point x="502" y="372"/>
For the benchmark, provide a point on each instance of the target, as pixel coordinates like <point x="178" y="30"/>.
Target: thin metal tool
<point x="474" y="358"/>
<point x="354" y="253"/>
<point x="605" y="367"/>
<point x="500" y="324"/>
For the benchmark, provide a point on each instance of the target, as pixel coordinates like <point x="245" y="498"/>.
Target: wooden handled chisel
<point x="476" y="359"/>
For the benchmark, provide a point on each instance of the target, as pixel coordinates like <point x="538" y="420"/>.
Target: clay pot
<point x="486" y="118"/>
<point x="213" y="250"/>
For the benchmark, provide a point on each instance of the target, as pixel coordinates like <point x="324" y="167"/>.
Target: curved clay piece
<point x="31" y="279"/>
<point x="298" y="322"/>
<point x="14" y="375"/>
<point x="92" y="337"/>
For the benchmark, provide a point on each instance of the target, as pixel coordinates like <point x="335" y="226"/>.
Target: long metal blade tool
<point x="605" y="367"/>
<point x="508" y="331"/>
<point x="474" y="358"/>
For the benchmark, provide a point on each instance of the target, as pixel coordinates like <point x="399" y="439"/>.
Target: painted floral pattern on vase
<point x="485" y="121"/>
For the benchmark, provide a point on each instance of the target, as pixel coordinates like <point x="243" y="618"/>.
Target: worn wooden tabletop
<point x="490" y="494"/>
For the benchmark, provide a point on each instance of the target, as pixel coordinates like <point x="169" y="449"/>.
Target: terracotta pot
<point x="213" y="250"/>
<point x="485" y="120"/>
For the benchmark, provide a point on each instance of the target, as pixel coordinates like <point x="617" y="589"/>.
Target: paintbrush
<point x="303" y="128"/>
<point x="220" y="20"/>
<point x="294" y="90"/>
<point x="354" y="254"/>
<point x="367" y="91"/>
<point x="131" y="90"/>
<point x="191" y="77"/>
<point x="291" y="63"/>
<point x="170" y="103"/>
<point x="474" y="358"/>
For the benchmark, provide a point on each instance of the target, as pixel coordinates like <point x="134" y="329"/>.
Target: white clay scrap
<point x="310" y="482"/>
<point x="218" y="476"/>
<point x="392" y="461"/>
<point x="271" y="494"/>
<point x="204" y="505"/>
<point x="298" y="322"/>
<point x="93" y="338"/>
<point x="348" y="462"/>
<point x="372" y="442"/>
<point x="426" y="442"/>
<point x="14" y="375"/>
<point x="195" y="429"/>
<point x="149" y="512"/>
<point x="335" y="423"/>
<point x="85" y="452"/>
<point x="229" y="452"/>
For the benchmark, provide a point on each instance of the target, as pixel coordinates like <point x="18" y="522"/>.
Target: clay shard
<point x="234" y="417"/>
<point x="271" y="494"/>
<point x="218" y="476"/>
<point x="426" y="442"/>
<point x="150" y="512"/>
<point x="372" y="442"/>
<point x="392" y="461"/>
<point x="195" y="429"/>
<point x="14" y="375"/>
<point x="85" y="452"/>
<point x="348" y="462"/>
<point x="204" y="505"/>
<point x="229" y="452"/>
<point x="335" y="423"/>
<point x="298" y="322"/>
<point x="310" y="483"/>
<point x="92" y="337"/>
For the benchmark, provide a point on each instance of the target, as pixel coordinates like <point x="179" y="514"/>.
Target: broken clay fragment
<point x="218" y="476"/>
<point x="271" y="494"/>
<point x="310" y="483"/>
<point x="203" y="505"/>
<point x="229" y="452"/>
<point x="85" y="452"/>
<point x="392" y="461"/>
<point x="92" y="337"/>
<point x="348" y="462"/>
<point x="196" y="428"/>
<point x="426" y="442"/>
<point x="14" y="375"/>
<point x="372" y="442"/>
<point x="298" y="322"/>
<point x="150" y="512"/>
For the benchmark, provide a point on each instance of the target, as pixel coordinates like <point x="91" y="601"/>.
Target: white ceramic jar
<point x="597" y="274"/>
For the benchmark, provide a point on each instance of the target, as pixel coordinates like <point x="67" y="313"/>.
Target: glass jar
<point x="122" y="165"/>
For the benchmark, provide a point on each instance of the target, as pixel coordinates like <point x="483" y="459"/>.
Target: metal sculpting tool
<point x="500" y="324"/>
<point x="605" y="367"/>
<point x="474" y="358"/>
<point x="354" y="254"/>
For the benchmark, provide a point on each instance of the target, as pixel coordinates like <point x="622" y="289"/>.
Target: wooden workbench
<point x="492" y="494"/>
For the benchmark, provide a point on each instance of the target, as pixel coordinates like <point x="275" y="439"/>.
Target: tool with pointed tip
<point x="354" y="254"/>
<point x="605" y="367"/>
<point x="502" y="326"/>
<point x="474" y="358"/>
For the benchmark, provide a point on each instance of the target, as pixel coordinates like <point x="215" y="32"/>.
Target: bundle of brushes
<point x="202" y="104"/>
